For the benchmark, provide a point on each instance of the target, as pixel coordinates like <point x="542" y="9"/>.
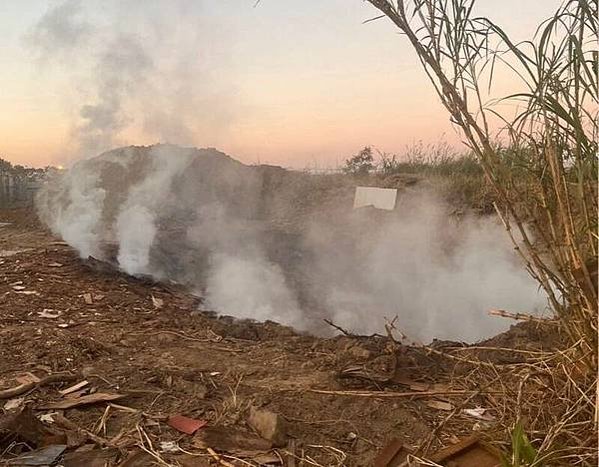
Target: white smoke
<point x="136" y="221"/>
<point x="77" y="218"/>
<point x="438" y="274"/>
<point x="131" y="72"/>
<point x="254" y="288"/>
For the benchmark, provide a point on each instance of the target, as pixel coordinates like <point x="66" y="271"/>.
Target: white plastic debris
<point x="480" y="413"/>
<point x="47" y="417"/>
<point x="13" y="404"/>
<point x="169" y="446"/>
<point x="47" y="313"/>
<point x="380" y="198"/>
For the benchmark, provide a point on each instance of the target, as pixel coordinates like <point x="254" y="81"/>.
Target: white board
<point x="380" y="198"/>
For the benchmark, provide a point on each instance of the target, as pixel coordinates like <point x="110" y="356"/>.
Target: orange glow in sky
<point x="290" y="83"/>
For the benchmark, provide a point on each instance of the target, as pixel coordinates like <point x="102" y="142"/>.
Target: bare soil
<point x="343" y="398"/>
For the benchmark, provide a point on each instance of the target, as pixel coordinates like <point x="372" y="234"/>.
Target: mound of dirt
<point x="210" y="198"/>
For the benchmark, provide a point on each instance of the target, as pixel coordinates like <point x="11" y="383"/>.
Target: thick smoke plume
<point x="256" y="243"/>
<point x="132" y="71"/>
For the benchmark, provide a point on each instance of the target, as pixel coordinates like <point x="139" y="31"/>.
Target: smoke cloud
<point x="256" y="242"/>
<point x="268" y="244"/>
<point x="437" y="274"/>
<point x="135" y="73"/>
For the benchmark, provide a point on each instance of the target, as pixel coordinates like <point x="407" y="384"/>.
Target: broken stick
<point x="339" y="328"/>
<point x="23" y="388"/>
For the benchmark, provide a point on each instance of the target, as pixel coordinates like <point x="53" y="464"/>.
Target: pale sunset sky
<point x="293" y="83"/>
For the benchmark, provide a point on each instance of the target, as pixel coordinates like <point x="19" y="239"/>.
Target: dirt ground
<point x="338" y="401"/>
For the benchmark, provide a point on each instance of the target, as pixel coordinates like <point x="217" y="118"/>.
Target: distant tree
<point x="5" y="165"/>
<point x="361" y="163"/>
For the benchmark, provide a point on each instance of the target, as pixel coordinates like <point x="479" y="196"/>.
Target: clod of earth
<point x="269" y="425"/>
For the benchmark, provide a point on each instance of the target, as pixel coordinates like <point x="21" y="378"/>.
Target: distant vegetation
<point x="456" y="176"/>
<point x="23" y="171"/>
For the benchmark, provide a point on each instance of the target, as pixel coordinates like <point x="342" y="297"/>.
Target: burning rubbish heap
<point x="262" y="242"/>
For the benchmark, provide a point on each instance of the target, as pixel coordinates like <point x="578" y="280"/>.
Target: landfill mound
<point x="210" y="202"/>
<point x="266" y="243"/>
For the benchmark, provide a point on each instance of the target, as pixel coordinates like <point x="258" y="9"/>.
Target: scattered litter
<point x="169" y="446"/>
<point x="55" y="265"/>
<point x="480" y="413"/>
<point x="87" y="297"/>
<point x="469" y="452"/>
<point x="46" y="313"/>
<point x="44" y="456"/>
<point x="84" y="400"/>
<point x="440" y="405"/>
<point x="16" y="283"/>
<point x="13" y="404"/>
<point x="269" y="425"/>
<point x="186" y="424"/>
<point x="74" y="387"/>
<point x="394" y="454"/>
<point x="157" y="302"/>
<point x="27" y="292"/>
<point x="19" y="287"/>
<point x="214" y="373"/>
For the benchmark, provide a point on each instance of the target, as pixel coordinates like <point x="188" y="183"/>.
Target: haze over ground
<point x="290" y="83"/>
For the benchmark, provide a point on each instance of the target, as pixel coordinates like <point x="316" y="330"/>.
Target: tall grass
<point x="545" y="172"/>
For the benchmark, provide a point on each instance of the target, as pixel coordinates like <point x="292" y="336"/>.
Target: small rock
<point x="269" y="425"/>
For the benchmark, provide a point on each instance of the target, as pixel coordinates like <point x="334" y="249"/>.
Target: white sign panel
<point x="380" y="198"/>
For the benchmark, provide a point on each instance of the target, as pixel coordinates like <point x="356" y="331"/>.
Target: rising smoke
<point x="243" y="237"/>
<point x="133" y="71"/>
<point x="202" y="219"/>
